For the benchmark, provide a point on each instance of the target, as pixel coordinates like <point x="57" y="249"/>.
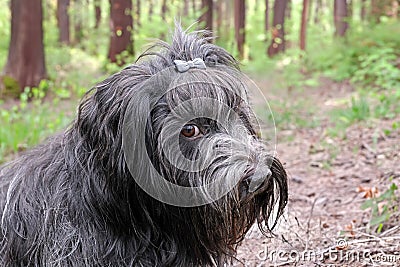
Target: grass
<point x="292" y="116"/>
<point x="5" y="18"/>
<point x="72" y="70"/>
<point x="365" y="106"/>
<point x="356" y="111"/>
<point x="382" y="207"/>
<point x="27" y="123"/>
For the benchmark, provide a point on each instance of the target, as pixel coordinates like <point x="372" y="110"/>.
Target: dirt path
<point x="329" y="179"/>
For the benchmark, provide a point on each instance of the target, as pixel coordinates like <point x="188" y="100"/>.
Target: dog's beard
<point x="222" y="181"/>
<point x="223" y="223"/>
<point x="236" y="164"/>
<point x="81" y="199"/>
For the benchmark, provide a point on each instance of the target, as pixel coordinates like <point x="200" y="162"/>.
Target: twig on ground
<point x="367" y="147"/>
<point x="308" y="222"/>
<point x="391" y="230"/>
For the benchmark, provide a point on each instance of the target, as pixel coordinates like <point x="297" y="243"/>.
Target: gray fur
<point x="72" y="201"/>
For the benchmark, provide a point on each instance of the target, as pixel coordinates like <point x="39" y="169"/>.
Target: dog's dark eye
<point x="190" y="130"/>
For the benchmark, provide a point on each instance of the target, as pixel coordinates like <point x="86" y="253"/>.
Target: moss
<point x="9" y="87"/>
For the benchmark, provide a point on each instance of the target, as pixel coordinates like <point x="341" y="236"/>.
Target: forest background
<point x="330" y="69"/>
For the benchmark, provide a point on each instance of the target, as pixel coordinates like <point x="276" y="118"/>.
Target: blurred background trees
<point x="340" y="15"/>
<point x="25" y="62"/>
<point x="278" y="31"/>
<point x="207" y="8"/>
<point x="121" y="25"/>
<point x="330" y="68"/>
<point x="53" y="51"/>
<point x="63" y="21"/>
<point x="240" y="24"/>
<point x="116" y="30"/>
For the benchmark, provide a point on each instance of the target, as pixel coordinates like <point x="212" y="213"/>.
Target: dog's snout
<point x="255" y="177"/>
<point x="258" y="178"/>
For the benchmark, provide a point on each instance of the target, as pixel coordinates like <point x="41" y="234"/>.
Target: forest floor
<point x="329" y="179"/>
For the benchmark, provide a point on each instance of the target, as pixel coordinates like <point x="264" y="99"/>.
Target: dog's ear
<point x="277" y="195"/>
<point x="106" y="103"/>
<point x="101" y="106"/>
<point x="137" y="127"/>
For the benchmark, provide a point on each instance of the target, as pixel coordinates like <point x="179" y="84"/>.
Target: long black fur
<point x="73" y="202"/>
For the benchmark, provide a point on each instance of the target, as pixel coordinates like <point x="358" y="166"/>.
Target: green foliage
<point x="365" y="105"/>
<point x="334" y="61"/>
<point x="290" y="115"/>
<point x="72" y="69"/>
<point x="29" y="121"/>
<point x="378" y="69"/>
<point x="357" y="110"/>
<point x="368" y="57"/>
<point x="382" y="207"/>
<point x="5" y="19"/>
<point x="10" y="87"/>
<point x="387" y="105"/>
<point x="395" y="127"/>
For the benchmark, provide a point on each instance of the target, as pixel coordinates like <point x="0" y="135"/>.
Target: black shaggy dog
<point x="93" y="196"/>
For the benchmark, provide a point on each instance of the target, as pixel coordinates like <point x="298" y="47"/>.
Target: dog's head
<point x="180" y="150"/>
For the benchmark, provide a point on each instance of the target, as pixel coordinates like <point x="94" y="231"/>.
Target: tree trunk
<point x="340" y="17"/>
<point x="303" y="29"/>
<point x="137" y="12"/>
<point x="288" y="9"/>
<point x="25" y="62"/>
<point x="278" y="30"/>
<point x="151" y="10"/>
<point x="186" y="8"/>
<point x="194" y="7"/>
<point x="240" y="11"/>
<point x="164" y="9"/>
<point x="363" y="11"/>
<point x="207" y="16"/>
<point x="228" y="17"/>
<point x="220" y="11"/>
<point x="318" y="8"/>
<point x="121" y="23"/>
<point x="266" y="16"/>
<point x="63" y="21"/>
<point x="78" y="31"/>
<point x="97" y="11"/>
<point x="334" y="13"/>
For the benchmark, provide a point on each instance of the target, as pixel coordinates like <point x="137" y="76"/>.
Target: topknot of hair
<point x="187" y="46"/>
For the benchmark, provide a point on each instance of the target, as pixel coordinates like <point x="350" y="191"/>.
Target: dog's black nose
<point x="254" y="178"/>
<point x="258" y="177"/>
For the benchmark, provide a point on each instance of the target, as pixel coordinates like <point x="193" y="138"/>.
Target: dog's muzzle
<point x="258" y="178"/>
<point x="253" y="180"/>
